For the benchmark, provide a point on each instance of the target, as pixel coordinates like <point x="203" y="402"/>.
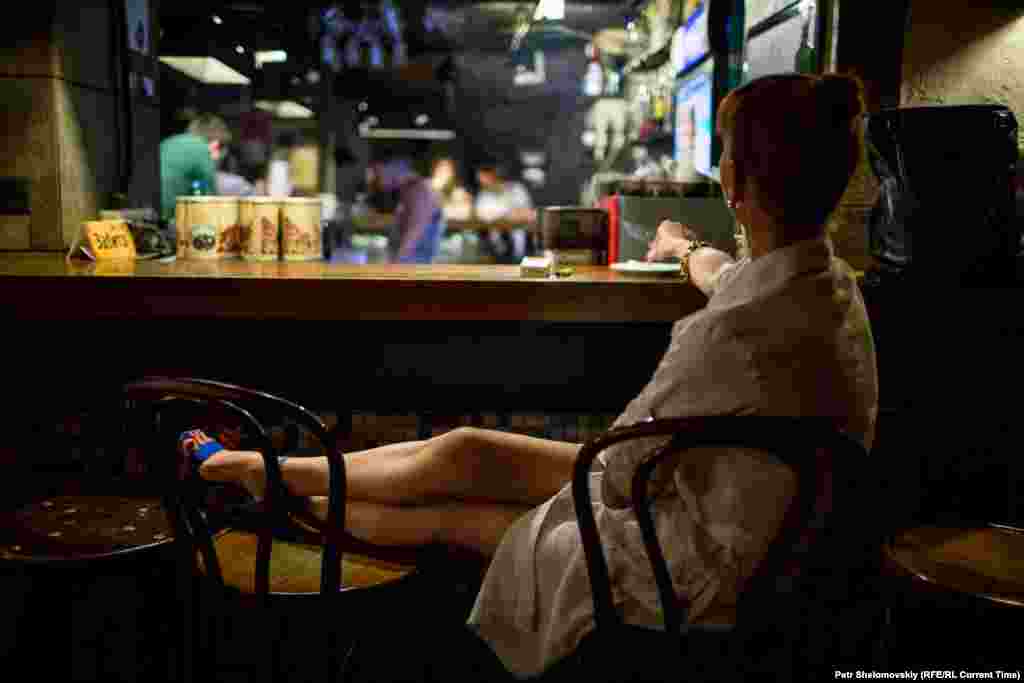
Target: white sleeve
<point x="522" y="198"/>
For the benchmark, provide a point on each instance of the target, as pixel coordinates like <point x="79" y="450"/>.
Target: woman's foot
<point x="244" y="468"/>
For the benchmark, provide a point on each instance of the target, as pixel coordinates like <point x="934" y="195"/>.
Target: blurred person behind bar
<point x="456" y="201"/>
<point x="500" y="199"/>
<point x="419" y="221"/>
<point x="188" y="161"/>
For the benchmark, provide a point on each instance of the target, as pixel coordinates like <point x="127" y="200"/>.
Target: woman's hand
<point x="671" y="240"/>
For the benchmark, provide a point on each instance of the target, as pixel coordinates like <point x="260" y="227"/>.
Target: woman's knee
<point x="462" y="447"/>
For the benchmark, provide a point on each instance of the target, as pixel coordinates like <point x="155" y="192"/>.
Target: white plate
<point x="646" y="267"/>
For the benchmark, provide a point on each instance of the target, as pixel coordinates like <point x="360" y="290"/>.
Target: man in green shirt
<point x="189" y="157"/>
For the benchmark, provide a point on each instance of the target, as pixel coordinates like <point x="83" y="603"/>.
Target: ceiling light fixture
<point x="206" y="70"/>
<point x="269" y="57"/>
<point x="239" y="49"/>
<point x="284" y="110"/>
<point x="549" y="9"/>
<point x="217" y="20"/>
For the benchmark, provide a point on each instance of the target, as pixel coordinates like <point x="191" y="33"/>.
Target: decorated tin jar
<point x="300" y="229"/>
<point x="260" y="220"/>
<point x="214" y="228"/>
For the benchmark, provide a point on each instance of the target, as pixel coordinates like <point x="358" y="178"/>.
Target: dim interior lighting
<point x="269" y="57"/>
<point x="239" y="49"/>
<point x="422" y="120"/>
<point x="550" y="9"/>
<point x="284" y="110"/>
<point x="217" y="20"/>
<point x="367" y="131"/>
<point x="206" y="70"/>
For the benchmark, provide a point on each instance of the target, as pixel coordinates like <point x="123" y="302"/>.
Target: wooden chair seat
<point x="295" y="567"/>
<point x="986" y="562"/>
<point x="81" y="527"/>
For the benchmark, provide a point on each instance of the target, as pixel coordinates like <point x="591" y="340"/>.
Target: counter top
<point x="44" y="286"/>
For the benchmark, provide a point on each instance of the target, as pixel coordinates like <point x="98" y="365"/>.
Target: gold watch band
<point x="684" y="264"/>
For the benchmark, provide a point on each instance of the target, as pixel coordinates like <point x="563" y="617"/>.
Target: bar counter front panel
<point x="376" y="337"/>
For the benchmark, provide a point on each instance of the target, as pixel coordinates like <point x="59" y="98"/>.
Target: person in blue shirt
<point x="419" y="220"/>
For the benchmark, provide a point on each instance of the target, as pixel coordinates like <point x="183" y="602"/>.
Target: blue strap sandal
<point x="198" y="447"/>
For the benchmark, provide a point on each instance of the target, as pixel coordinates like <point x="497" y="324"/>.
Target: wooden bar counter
<point x="360" y="337"/>
<point x="45" y="286"/>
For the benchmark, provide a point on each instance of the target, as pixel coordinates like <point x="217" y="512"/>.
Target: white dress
<point x="785" y="334"/>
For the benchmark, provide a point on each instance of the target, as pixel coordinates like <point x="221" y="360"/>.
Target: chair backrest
<point x="826" y="531"/>
<point x="178" y="404"/>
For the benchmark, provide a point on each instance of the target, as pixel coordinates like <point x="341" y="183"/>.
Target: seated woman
<point x="784" y="333"/>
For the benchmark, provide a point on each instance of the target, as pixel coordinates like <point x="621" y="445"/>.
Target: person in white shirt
<point x="784" y="332"/>
<point x="504" y="200"/>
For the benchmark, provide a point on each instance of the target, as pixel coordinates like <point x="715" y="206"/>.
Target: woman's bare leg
<point x="478" y="526"/>
<point x="465" y="464"/>
<point x="306" y="476"/>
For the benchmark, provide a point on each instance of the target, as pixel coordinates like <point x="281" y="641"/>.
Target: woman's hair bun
<point x="841" y="94"/>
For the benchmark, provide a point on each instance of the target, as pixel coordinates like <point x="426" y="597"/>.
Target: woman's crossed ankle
<point x="218" y="464"/>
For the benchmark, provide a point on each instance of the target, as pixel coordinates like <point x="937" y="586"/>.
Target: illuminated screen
<point x="691" y="41"/>
<point x="695" y="125"/>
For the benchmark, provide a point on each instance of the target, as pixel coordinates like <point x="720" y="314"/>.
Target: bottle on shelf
<point x="593" y="79"/>
<point x="805" y="61"/>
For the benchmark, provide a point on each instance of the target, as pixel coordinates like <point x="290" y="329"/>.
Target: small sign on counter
<point x="103" y="240"/>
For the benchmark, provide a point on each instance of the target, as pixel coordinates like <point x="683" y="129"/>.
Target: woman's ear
<point x="727" y="175"/>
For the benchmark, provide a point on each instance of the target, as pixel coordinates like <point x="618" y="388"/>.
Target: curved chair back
<point x="172" y="399"/>
<point x="826" y="531"/>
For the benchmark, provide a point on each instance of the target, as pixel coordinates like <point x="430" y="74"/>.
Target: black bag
<point x="945" y="212"/>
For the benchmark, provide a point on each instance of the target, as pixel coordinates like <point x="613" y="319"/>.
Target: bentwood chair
<point x="274" y="560"/>
<point x="84" y="545"/>
<point x="810" y="607"/>
<point x="811" y="604"/>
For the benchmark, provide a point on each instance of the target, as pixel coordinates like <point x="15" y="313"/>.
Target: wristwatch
<point x="684" y="264"/>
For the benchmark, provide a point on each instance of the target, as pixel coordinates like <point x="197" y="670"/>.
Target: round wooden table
<point x="984" y="562"/>
<point x="955" y="598"/>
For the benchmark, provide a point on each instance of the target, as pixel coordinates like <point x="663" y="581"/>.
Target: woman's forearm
<point x="705" y="265"/>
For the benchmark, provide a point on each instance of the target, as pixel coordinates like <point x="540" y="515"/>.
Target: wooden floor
<point x="119" y="626"/>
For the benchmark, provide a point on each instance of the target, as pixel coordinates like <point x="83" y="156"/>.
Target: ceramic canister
<point x="300" y="229"/>
<point x="260" y="218"/>
<point x="215" y="232"/>
<point x="182" y="226"/>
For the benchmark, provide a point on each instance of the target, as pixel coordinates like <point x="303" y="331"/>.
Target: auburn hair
<point x="797" y="137"/>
